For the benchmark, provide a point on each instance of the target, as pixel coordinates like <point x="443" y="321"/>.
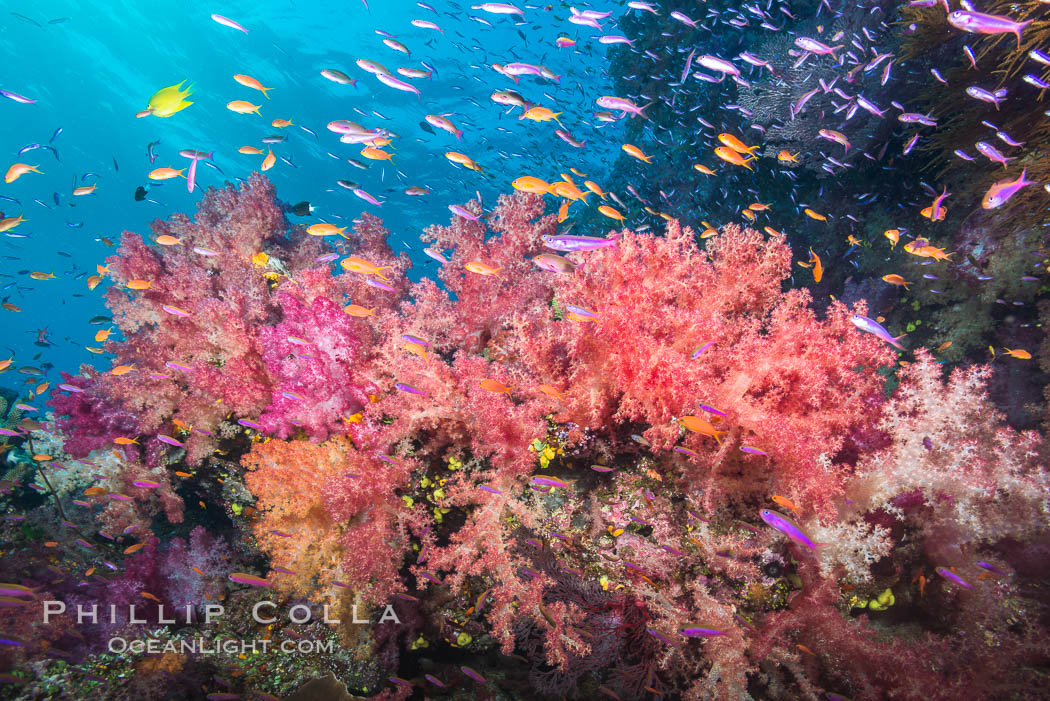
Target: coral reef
<point x="659" y="471"/>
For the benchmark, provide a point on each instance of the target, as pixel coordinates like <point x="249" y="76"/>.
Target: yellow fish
<point x="167" y="101"/>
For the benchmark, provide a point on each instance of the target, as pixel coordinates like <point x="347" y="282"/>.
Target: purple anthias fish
<point x="992" y="153"/>
<point x="701" y="632"/>
<point x="577" y="243"/>
<point x="713" y="63"/>
<point x="461" y="212"/>
<point x="981" y="23"/>
<point x="873" y="327"/>
<point x="983" y="95"/>
<point x="498" y="8"/>
<point x="415" y="339"/>
<point x="948" y="574"/>
<point x="379" y="285"/>
<point x="699" y="351"/>
<point x="366" y="197"/>
<point x="581" y="311"/>
<point x="816" y="47"/>
<point x="619" y="103"/>
<point x="436" y="255"/>
<point x="553" y="263"/>
<point x="786" y="526"/>
<point x="393" y="82"/>
<point x="1000" y="192"/>
<point x="911" y="117"/>
<point x="683" y="18"/>
<point x="408" y="388"/>
<point x="568" y="138"/>
<point x="658" y="636"/>
<point x="16" y="97"/>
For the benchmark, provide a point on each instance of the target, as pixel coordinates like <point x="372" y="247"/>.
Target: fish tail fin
<point x="266" y="92"/>
<point x="1017" y="31"/>
<point x="459" y="134"/>
<point x="641" y="110"/>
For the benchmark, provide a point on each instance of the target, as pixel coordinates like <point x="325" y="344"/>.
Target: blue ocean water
<point x="90" y="69"/>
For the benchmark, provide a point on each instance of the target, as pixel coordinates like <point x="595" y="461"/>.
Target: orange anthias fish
<point x="165" y="173"/>
<point x="541" y="114"/>
<point x="527" y="183"/>
<point x="1018" y="353"/>
<point x="551" y="391"/>
<point x="563" y="211"/>
<point x="607" y="211"/>
<point x="730" y="156"/>
<point x="250" y="82"/>
<point x="17" y="170"/>
<point x="894" y="235"/>
<point x="354" y="264"/>
<point x="700" y="425"/>
<point x="895" y="279"/>
<point x="785" y="502"/>
<point x="358" y="311"/>
<point x="818" y="267"/>
<point x="494" y="386"/>
<point x="568" y="190"/>
<point x="243" y="107"/>
<point x="476" y="266"/>
<point x="936" y="211"/>
<point x="929" y="252"/>
<point x="632" y="150"/>
<point x="736" y="144"/>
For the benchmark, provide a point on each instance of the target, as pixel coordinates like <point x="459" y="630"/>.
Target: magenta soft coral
<point x="485" y="304"/>
<point x="88" y="418"/>
<point x="313" y="357"/>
